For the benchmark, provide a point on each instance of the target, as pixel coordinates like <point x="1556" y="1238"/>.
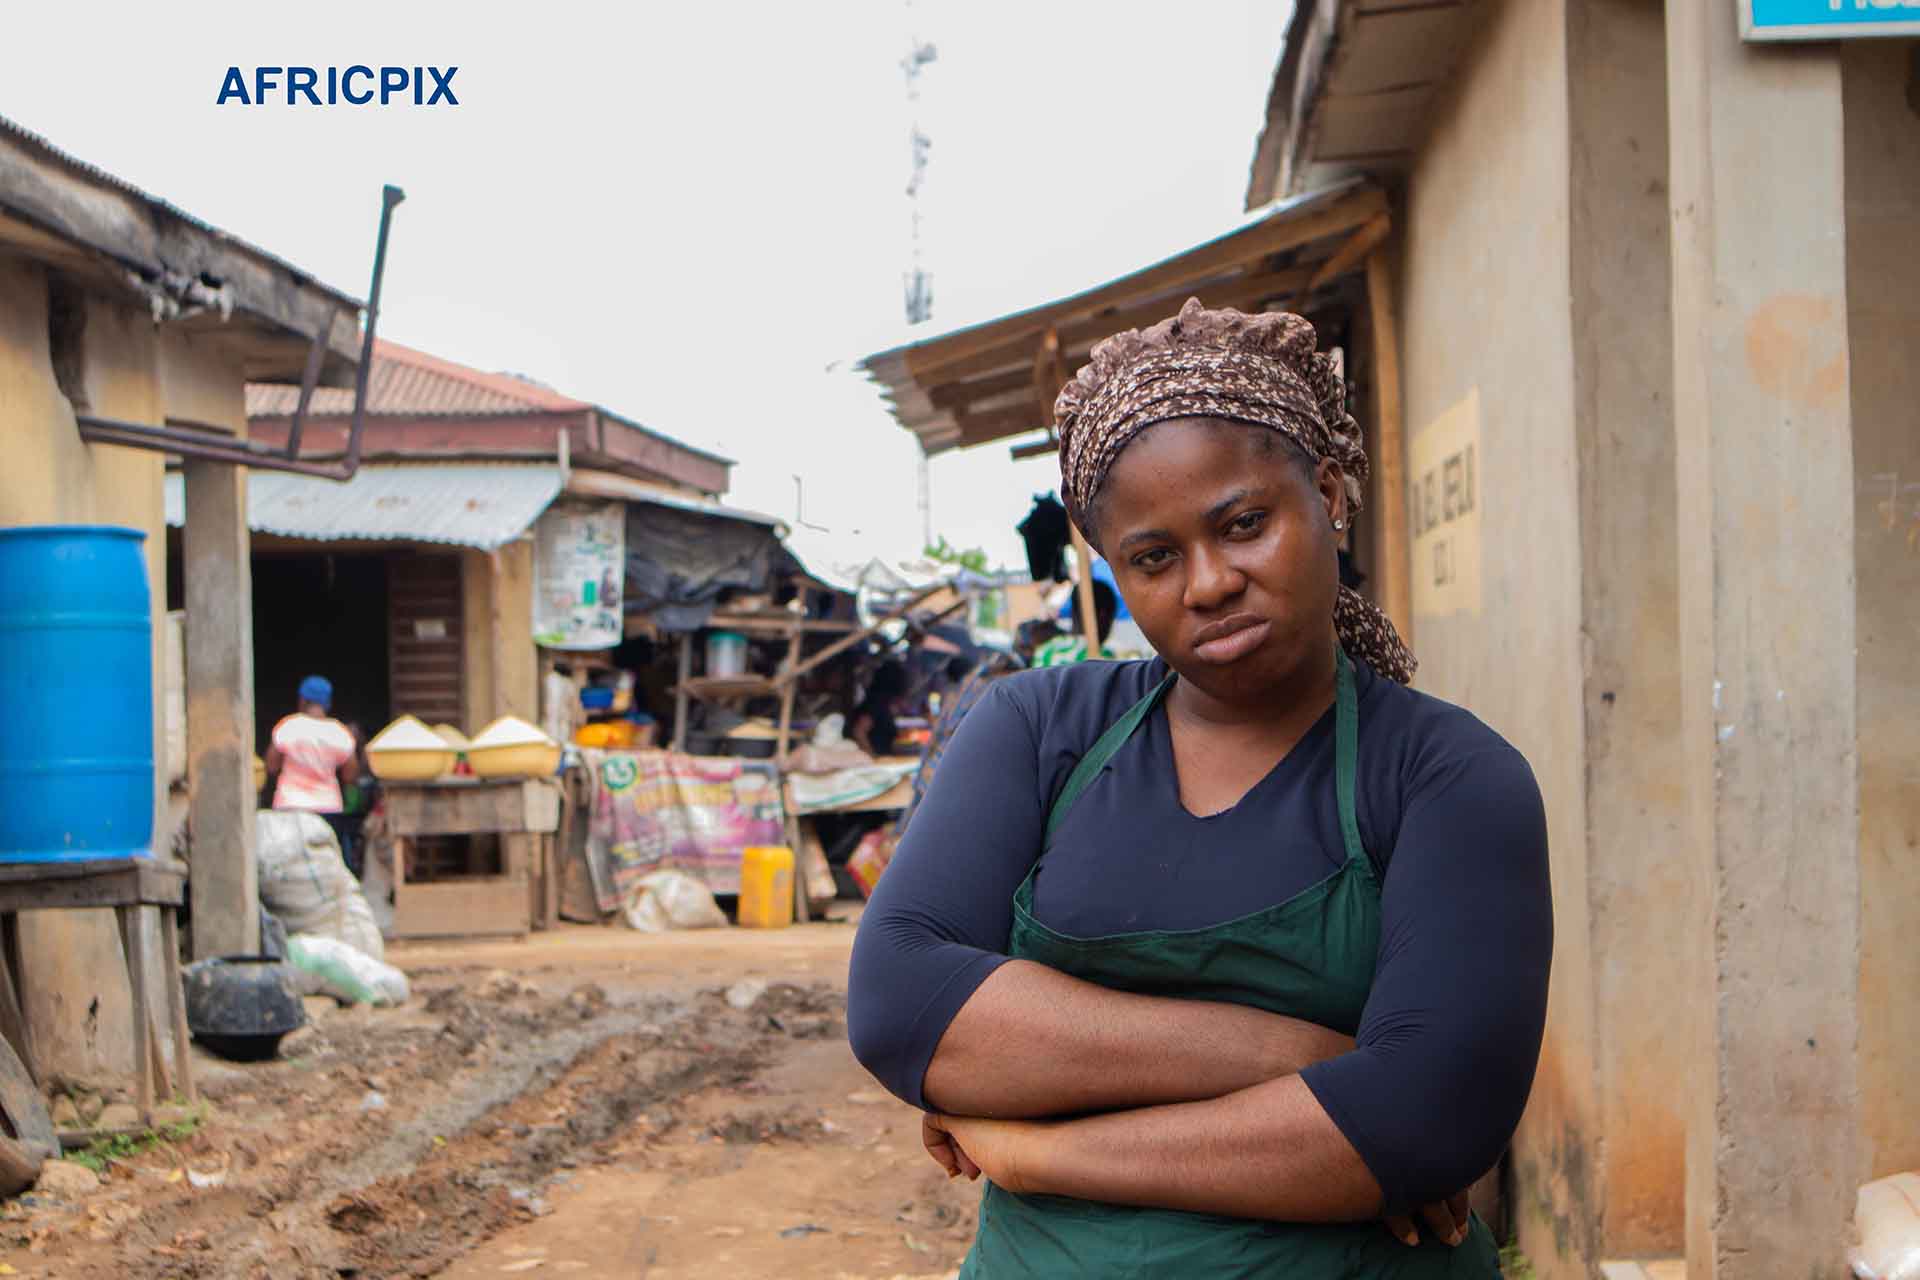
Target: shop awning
<point x="998" y="379"/>
<point x="463" y="504"/>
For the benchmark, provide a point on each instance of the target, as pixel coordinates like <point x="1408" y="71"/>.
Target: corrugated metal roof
<point x="467" y="504"/>
<point x="405" y="381"/>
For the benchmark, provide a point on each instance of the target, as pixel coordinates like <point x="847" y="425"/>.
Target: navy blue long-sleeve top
<point x="1448" y="811"/>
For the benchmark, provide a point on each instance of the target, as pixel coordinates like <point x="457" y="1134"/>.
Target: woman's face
<point x="1221" y="539"/>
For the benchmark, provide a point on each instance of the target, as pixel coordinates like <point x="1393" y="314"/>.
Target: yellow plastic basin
<point x="409" y="764"/>
<point x="517" y="760"/>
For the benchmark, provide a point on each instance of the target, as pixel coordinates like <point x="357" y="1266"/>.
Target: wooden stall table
<point x="523" y="812"/>
<point x="804" y="837"/>
<point x="127" y="885"/>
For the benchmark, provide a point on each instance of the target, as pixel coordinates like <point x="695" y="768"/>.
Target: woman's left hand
<point x="967" y="1146"/>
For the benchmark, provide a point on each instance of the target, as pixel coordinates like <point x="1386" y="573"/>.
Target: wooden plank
<point x="787" y="692"/>
<point x="893" y="799"/>
<point x="177" y="1003"/>
<point x="518" y="856"/>
<point x="426" y="673"/>
<point x="489" y="906"/>
<point x="549" y="882"/>
<point x="777" y="623"/>
<point x="1089" y="615"/>
<point x="847" y="642"/>
<point x="717" y="687"/>
<point x="680" y="692"/>
<point x="105" y="889"/>
<point x="25" y="1107"/>
<point x="13" y="1022"/>
<point x="1352" y="253"/>
<point x="482" y="808"/>
<point x="142" y="1030"/>
<point x="930" y="361"/>
<point x="1007" y="367"/>
<point x="1394" y="565"/>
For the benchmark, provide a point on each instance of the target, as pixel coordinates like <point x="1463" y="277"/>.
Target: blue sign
<point x="1827" y="19"/>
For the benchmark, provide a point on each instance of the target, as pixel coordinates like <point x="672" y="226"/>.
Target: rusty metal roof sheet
<point x="405" y="381"/>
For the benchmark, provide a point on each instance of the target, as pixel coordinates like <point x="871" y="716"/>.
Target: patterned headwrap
<point x="1263" y="370"/>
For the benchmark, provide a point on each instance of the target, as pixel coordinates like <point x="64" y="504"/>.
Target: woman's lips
<point x="1231" y="639"/>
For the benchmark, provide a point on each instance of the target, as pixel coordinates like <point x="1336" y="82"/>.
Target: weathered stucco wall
<point x="1623" y="421"/>
<point x="77" y="995"/>
<point x="1486" y="307"/>
<point x="1883" y="322"/>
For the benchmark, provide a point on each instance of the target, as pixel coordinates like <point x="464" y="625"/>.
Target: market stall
<point x="472" y="827"/>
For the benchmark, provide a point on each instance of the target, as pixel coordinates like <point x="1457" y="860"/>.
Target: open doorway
<point x="326" y="615"/>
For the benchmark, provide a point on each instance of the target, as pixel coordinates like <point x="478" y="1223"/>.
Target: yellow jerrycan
<point x="766" y="887"/>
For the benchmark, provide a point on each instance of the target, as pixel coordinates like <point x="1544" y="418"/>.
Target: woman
<point x="1211" y="961"/>
<point x="874" y="727"/>
<point x="316" y="758"/>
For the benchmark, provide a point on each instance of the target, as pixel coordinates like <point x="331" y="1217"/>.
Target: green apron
<point x="1310" y="957"/>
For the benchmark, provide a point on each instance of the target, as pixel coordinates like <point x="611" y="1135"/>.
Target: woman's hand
<point x="1447" y="1220"/>
<point x="968" y="1147"/>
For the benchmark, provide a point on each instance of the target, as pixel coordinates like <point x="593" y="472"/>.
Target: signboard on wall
<point x="579" y="562"/>
<point x="1827" y="19"/>
<point x="1443" y="511"/>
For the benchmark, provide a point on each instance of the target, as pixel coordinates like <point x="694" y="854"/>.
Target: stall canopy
<point x="464" y="504"/>
<point x="997" y="379"/>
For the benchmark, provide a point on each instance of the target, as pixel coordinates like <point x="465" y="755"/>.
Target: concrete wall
<point x="1883" y="321"/>
<point x="1485" y="305"/>
<point x="1636" y="888"/>
<point x="77" y="994"/>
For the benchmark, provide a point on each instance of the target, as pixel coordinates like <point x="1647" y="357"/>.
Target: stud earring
<point x="1339" y="525"/>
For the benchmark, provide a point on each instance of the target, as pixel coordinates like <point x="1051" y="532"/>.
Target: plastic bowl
<point x="596" y="699"/>
<point x="521" y="760"/>
<point x="409" y="765"/>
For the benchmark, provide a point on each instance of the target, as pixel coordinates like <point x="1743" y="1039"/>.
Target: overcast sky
<point x="687" y="212"/>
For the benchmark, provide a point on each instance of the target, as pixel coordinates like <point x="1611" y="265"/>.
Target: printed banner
<point x="661" y="811"/>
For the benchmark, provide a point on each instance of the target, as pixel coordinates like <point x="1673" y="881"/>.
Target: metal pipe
<point x="131" y="435"/>
<point x="309" y="378"/>
<point x="390" y="196"/>
<point x="192" y="442"/>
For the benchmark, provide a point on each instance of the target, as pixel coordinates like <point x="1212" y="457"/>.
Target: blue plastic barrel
<point x="76" y="694"/>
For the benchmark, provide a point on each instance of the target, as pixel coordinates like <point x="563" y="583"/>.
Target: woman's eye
<point x="1151" y="559"/>
<point x="1248" y="523"/>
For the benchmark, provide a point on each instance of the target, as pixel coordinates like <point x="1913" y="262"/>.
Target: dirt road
<point x="588" y="1102"/>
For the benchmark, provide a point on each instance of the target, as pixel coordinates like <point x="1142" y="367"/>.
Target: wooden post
<point x="789" y="686"/>
<point x="1394" y="563"/>
<point x="220" y="748"/>
<point x="680" y="692"/>
<point x="1089" y="621"/>
<point x="1049" y="376"/>
<point x="516" y="670"/>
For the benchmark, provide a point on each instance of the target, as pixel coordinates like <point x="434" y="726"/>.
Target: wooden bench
<point x="127" y="886"/>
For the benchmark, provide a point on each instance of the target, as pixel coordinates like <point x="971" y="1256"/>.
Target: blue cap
<point x="317" y="689"/>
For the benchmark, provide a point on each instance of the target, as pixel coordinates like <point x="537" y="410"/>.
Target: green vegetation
<point x="946" y="553"/>
<point x="987" y="608"/>
<point x="98" y="1155"/>
<point x="1514" y="1264"/>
